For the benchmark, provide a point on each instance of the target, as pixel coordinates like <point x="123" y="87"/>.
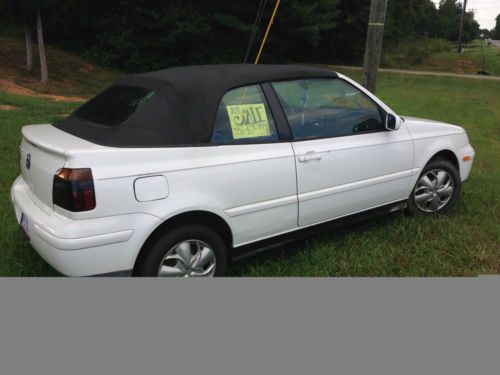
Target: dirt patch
<point x="465" y="66"/>
<point x="60" y="98"/>
<point x="7" y="107"/>
<point x="70" y="78"/>
<point x="13" y="88"/>
<point x="87" y="68"/>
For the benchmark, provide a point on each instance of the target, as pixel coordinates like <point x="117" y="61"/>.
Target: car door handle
<point x="308" y="156"/>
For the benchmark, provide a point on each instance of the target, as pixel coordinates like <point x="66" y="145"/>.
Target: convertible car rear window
<point x="114" y="105"/>
<point x="139" y="113"/>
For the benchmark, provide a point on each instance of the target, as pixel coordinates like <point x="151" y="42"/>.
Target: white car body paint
<point x="259" y="190"/>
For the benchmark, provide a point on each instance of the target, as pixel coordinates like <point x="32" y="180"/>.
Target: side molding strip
<point x="353" y="185"/>
<point x="260" y="206"/>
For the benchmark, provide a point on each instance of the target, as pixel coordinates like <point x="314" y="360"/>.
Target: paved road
<point x="424" y="73"/>
<point x="496" y="43"/>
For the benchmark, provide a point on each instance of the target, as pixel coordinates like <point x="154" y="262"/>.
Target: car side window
<point x="320" y="108"/>
<point x="244" y="116"/>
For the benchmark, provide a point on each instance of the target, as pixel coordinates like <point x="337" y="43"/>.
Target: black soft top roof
<point x="190" y="95"/>
<point x="225" y="76"/>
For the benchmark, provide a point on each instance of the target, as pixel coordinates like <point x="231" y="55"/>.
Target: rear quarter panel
<point x="252" y="187"/>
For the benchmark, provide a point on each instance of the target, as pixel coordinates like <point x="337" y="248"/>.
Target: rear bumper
<point x="107" y="245"/>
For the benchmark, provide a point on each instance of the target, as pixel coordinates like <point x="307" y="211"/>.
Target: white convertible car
<point x="177" y="172"/>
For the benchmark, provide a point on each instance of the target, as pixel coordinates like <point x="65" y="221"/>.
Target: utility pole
<point x="461" y="27"/>
<point x="374" y="39"/>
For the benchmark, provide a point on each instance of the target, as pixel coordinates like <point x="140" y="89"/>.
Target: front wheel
<point x="436" y="190"/>
<point x="186" y="251"/>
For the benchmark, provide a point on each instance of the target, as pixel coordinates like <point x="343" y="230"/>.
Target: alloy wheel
<point x="433" y="190"/>
<point x="191" y="258"/>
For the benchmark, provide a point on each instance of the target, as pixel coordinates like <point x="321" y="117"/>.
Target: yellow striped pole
<point x="267" y="31"/>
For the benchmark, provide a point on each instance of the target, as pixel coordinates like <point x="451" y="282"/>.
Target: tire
<point x="437" y="189"/>
<point x="185" y="251"/>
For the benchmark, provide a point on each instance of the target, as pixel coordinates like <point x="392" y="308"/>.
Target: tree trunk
<point x="374" y="40"/>
<point x="29" y="48"/>
<point x="41" y="49"/>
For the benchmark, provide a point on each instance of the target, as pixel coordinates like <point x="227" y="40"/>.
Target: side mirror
<point x="392" y="122"/>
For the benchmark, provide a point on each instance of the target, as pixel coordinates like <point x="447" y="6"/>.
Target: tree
<point x="345" y="43"/>
<point x="486" y="33"/>
<point x="29" y="46"/>
<point x="143" y="35"/>
<point x="15" y="13"/>
<point x="495" y="33"/>
<point x="407" y="19"/>
<point x="41" y="48"/>
<point x="29" y="12"/>
<point x="471" y="28"/>
<point x="448" y="20"/>
<point x="300" y="27"/>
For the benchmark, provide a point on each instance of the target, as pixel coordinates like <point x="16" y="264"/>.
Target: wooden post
<point x="41" y="49"/>
<point x="374" y="40"/>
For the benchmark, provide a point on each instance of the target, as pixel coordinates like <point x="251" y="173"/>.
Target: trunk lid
<point x="43" y="152"/>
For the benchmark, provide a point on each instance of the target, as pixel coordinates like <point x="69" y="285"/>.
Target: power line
<point x="258" y="18"/>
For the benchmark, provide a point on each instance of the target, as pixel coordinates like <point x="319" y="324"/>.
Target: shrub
<point x="412" y="52"/>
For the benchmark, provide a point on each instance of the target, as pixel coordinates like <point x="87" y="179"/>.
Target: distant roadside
<point x="441" y="56"/>
<point x="340" y="68"/>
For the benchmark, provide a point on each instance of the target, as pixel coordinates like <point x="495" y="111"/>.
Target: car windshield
<point x="114" y="105"/>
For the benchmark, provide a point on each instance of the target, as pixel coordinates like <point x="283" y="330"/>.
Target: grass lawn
<point x="463" y="243"/>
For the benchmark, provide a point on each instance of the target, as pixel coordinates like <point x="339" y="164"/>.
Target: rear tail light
<point x="73" y="189"/>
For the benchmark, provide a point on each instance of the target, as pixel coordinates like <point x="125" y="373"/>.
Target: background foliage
<point x="135" y="35"/>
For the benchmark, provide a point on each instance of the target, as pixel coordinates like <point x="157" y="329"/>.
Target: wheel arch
<point x="447" y="155"/>
<point x="201" y="217"/>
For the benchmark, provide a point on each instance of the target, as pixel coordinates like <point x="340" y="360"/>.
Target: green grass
<point x="463" y="243"/>
<point x="17" y="258"/>
<point x="440" y="56"/>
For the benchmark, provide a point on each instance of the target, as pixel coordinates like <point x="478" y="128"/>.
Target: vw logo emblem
<point x="28" y="161"/>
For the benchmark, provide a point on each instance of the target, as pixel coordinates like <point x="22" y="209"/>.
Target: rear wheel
<point x="187" y="251"/>
<point x="437" y="189"/>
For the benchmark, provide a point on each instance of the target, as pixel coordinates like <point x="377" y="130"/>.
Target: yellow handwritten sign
<point x="248" y="120"/>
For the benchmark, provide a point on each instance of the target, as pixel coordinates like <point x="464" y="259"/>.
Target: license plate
<point x="24" y="224"/>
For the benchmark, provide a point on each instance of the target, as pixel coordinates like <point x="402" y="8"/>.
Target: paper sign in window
<point x="248" y="120"/>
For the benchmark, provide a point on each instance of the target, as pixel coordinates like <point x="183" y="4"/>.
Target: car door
<point x="254" y="179"/>
<point x="346" y="160"/>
